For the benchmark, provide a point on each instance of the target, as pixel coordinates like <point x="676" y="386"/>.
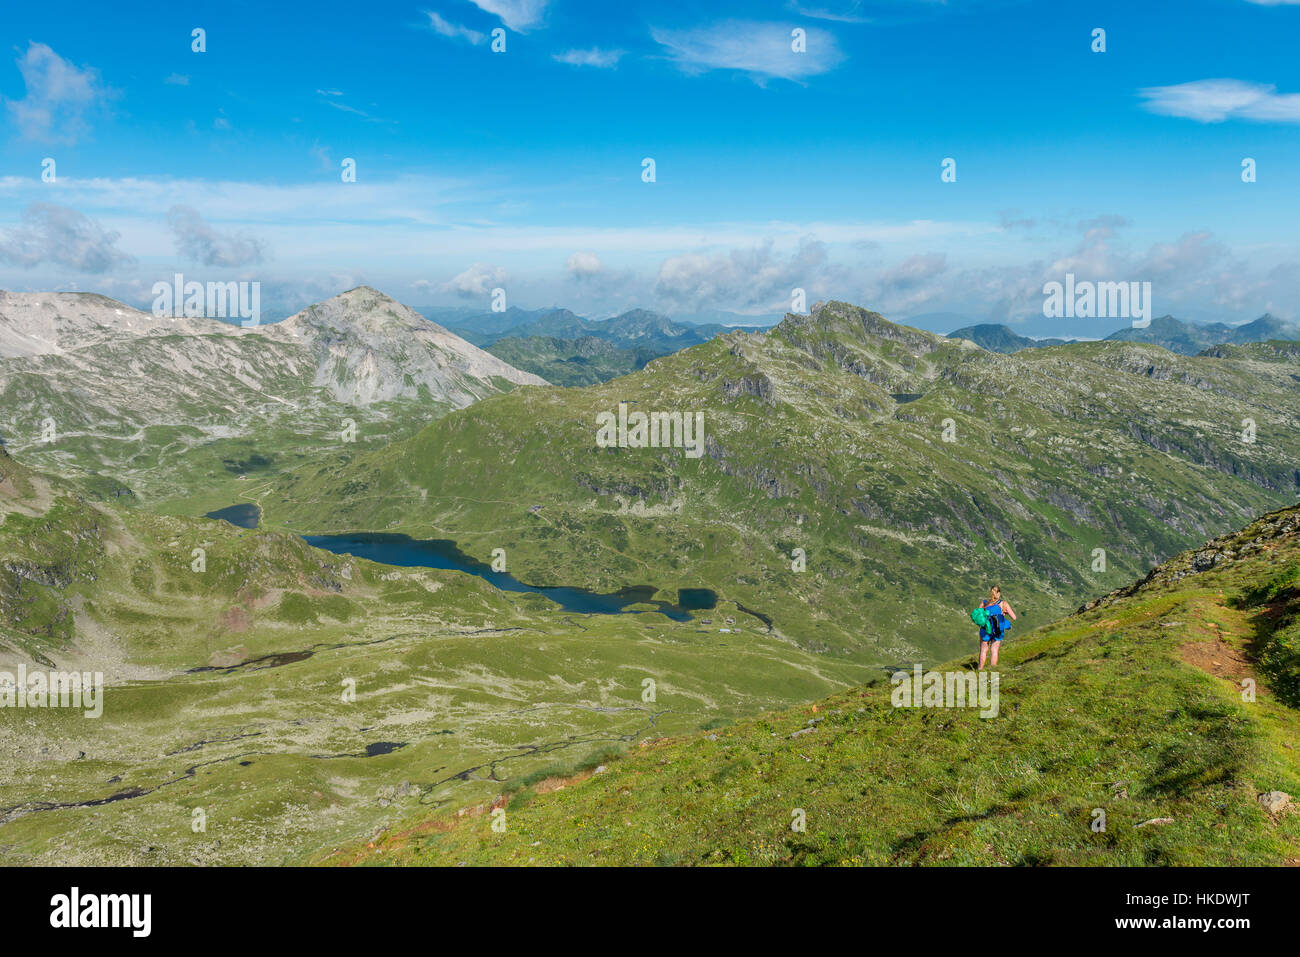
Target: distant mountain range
<point x="219" y="400"/>
<point x="996" y="337"/>
<point x="1189" y="338"/>
<point x="1176" y="335"/>
<point x="557" y="344"/>
<point x="640" y="326"/>
<point x="585" y="360"/>
<point x="910" y="469"/>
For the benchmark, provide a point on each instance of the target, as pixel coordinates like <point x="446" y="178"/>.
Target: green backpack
<point x="981" y="617"/>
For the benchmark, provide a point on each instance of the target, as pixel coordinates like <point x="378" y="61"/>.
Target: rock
<point x="1204" y="560"/>
<point x="1275" y="802"/>
<point x="600" y="769"/>
<point x="1155" y="820"/>
<point x="803" y="731"/>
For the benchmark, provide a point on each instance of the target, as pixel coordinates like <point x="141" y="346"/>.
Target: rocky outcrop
<point x="366" y="347"/>
<point x="1256" y="537"/>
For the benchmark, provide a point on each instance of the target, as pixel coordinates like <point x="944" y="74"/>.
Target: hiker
<point x="996" y="612"/>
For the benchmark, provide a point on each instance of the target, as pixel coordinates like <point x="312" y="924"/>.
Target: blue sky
<point x="774" y="169"/>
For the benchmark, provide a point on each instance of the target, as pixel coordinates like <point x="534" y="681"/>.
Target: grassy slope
<point x="1134" y="706"/>
<point x="476" y="685"/>
<point x="572" y="362"/>
<point x="1059" y="451"/>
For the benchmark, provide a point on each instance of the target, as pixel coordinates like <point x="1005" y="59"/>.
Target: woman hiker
<point x="998" y="610"/>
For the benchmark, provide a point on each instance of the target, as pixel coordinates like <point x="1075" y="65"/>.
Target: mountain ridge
<point x="861" y="442"/>
<point x="177" y="405"/>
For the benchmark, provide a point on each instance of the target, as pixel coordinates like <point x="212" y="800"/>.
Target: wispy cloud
<point x="177" y="79"/>
<point x="840" y="12"/>
<point x="322" y="155"/>
<point x="61" y="236"/>
<point x="59" y="96"/>
<point x="1214" y="101"/>
<point x="602" y="59"/>
<point x="454" y="31"/>
<point x="200" y="242"/>
<point x="331" y="98"/>
<point x="763" y="50"/>
<point x="519" y="15"/>
<point x="349" y="109"/>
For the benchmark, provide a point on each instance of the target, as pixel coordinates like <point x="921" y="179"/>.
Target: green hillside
<point x="911" y="469"/>
<point x="224" y="682"/>
<point x="1133" y="707"/>
<point x="585" y="360"/>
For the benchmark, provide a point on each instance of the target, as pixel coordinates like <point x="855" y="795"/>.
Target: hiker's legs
<point x="996" y="645"/>
<point x="984" y="650"/>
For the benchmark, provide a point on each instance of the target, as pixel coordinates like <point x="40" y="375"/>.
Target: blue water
<point x="243" y="516"/>
<point x="443" y="553"/>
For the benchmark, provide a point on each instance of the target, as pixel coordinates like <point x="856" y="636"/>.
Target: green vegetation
<point x="572" y="362"/>
<point x="1276" y="607"/>
<point x="816" y="439"/>
<point x="908" y="470"/>
<point x="1134" y="708"/>
<point x="224" y="685"/>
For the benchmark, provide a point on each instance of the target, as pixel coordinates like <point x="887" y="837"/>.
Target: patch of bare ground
<point x="1216" y="657"/>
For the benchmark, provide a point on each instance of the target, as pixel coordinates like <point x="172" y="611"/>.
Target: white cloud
<point x="329" y="98"/>
<point x="1213" y="101"/>
<point x="451" y="30"/>
<point x="394" y="217"/>
<point x="475" y="281"/>
<point x="201" y="243"/>
<point x="602" y="59"/>
<point x="518" y="15"/>
<point x="838" y="10"/>
<point x="743" y="278"/>
<point x="61" y="236"/>
<point x="59" y="96"/>
<point x="1193" y="277"/>
<point x="583" y="265"/>
<point x="912" y="283"/>
<point x="762" y="50"/>
<point x="177" y="79"/>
